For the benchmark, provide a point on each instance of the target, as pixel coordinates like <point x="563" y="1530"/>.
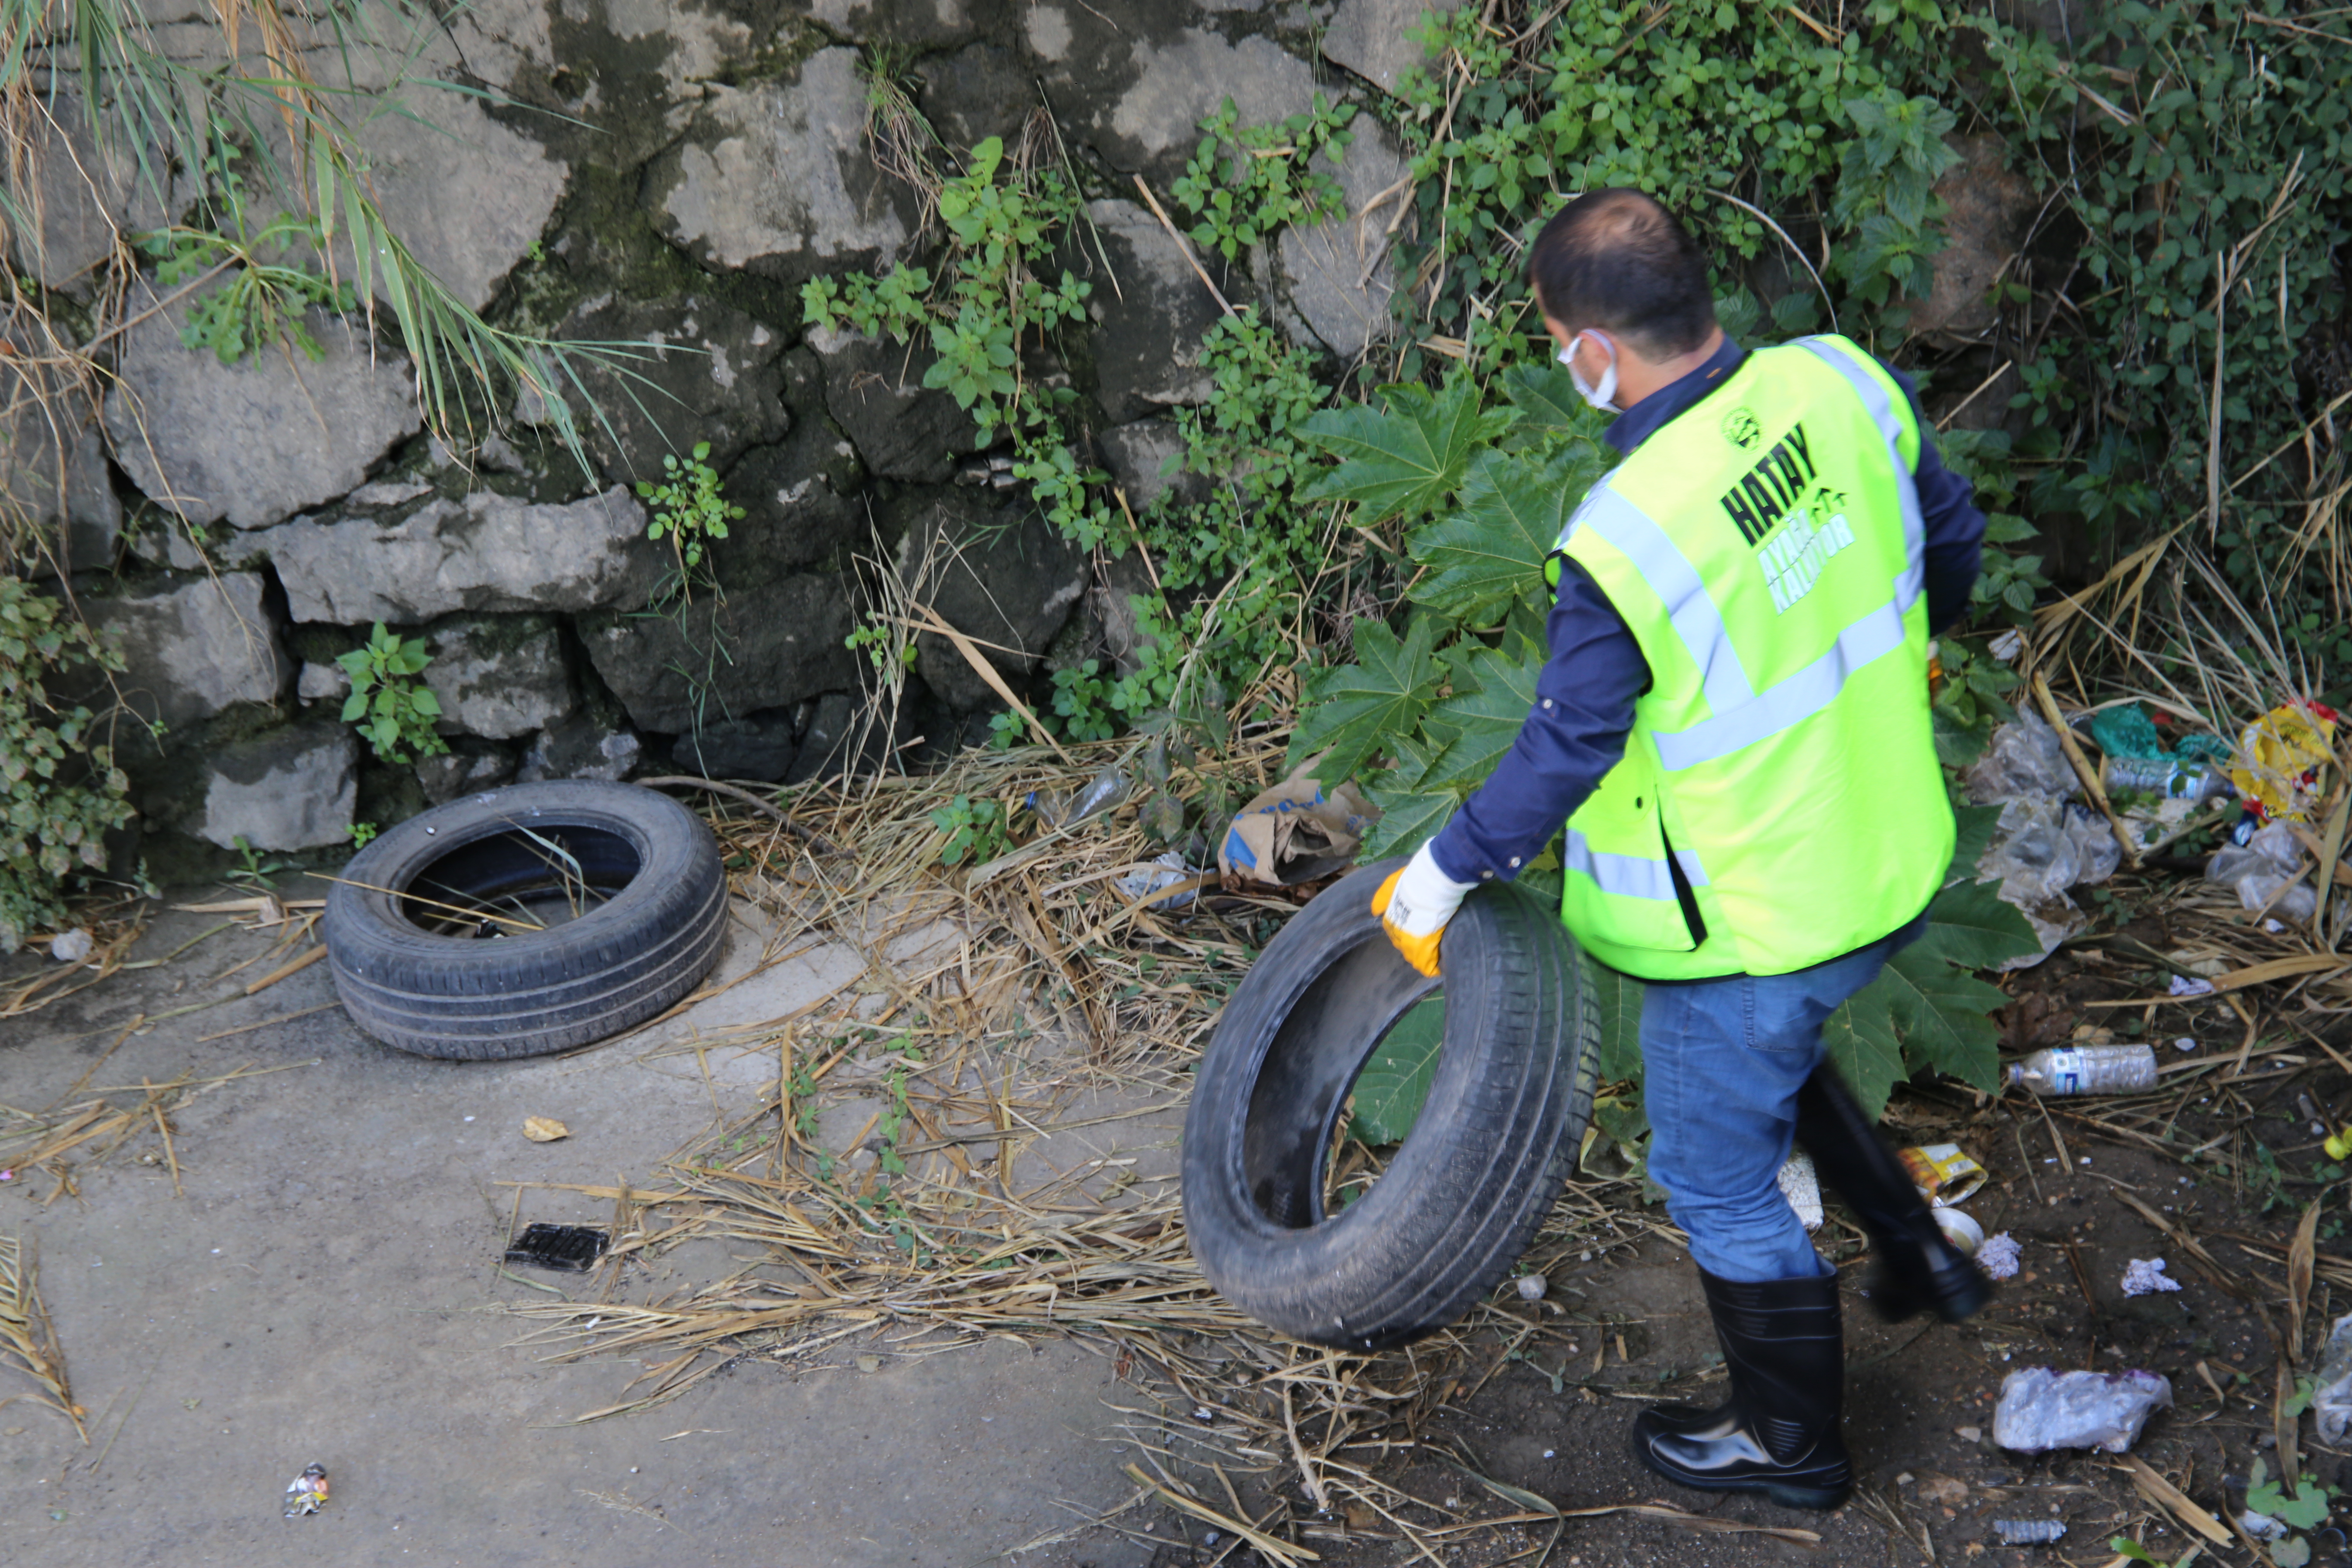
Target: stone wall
<point x="666" y="175"/>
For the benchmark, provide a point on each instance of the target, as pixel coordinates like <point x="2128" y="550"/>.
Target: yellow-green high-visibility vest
<point x="1779" y="796"/>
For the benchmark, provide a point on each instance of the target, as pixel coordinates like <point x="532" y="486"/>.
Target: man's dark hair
<point x="1617" y="261"/>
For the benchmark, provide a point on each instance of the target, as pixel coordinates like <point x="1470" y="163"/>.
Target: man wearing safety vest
<point x="1733" y="726"/>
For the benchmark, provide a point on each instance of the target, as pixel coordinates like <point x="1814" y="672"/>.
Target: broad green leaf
<point x="1941" y="1013"/>
<point x="1489" y="551"/>
<point x="1618" y="998"/>
<point x="1545" y="395"/>
<point x="1480" y="723"/>
<point x="1863" y="1046"/>
<point x="1976" y="825"/>
<point x="1355" y="710"/>
<point x="1394" y="1084"/>
<point x="1407" y="459"/>
<point x="1968" y="925"/>
<point x="1409" y="815"/>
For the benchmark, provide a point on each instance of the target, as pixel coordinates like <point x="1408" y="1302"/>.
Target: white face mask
<point x="1604" y="396"/>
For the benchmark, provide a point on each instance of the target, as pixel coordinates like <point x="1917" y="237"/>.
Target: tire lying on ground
<point x="430" y="937"/>
<point x="1466" y="1191"/>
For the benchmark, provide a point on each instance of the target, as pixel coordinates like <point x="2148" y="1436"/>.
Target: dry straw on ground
<point x="1022" y="982"/>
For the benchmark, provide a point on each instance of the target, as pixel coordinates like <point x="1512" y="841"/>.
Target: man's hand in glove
<point x="1414" y="904"/>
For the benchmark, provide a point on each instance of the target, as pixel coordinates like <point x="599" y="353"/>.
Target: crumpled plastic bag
<point x="2331" y="1400"/>
<point x="1294" y="833"/>
<point x="2024" y="761"/>
<point x="2277" y="754"/>
<point x="2267" y="872"/>
<point x="2043" y="1408"/>
<point x="2040" y="849"/>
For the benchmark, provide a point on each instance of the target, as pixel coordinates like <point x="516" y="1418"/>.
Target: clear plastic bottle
<point x="2164" y="776"/>
<point x="2087" y="1069"/>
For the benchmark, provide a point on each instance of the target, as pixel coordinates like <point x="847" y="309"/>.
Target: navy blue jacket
<point x="1584" y="708"/>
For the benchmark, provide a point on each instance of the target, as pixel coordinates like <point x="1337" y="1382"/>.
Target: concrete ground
<point x="327" y="1287"/>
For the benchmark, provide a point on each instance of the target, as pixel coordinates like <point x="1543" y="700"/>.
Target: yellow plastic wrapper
<point x="1943" y="1173"/>
<point x="2277" y="756"/>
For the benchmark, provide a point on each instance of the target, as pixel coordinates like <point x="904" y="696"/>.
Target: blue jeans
<point x="1721" y="1064"/>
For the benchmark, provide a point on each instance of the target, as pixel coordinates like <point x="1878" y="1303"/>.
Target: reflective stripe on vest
<point x="1882" y="414"/>
<point x="1630" y="876"/>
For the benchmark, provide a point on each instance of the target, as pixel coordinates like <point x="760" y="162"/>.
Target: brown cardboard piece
<point x="1294" y="833"/>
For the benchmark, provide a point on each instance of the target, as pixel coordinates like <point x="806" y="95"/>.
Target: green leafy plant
<point x="60" y="788"/>
<point x="975" y="829"/>
<point x="256" y="868"/>
<point x="689" y="510"/>
<point x="1247" y="185"/>
<point x="393" y="710"/>
<point x="2302" y="1507"/>
<point x="363" y="834"/>
<point x="265" y="294"/>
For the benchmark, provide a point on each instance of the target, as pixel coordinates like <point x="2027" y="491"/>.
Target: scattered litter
<point x="2262" y="1526"/>
<point x="1165" y="873"/>
<point x="2267" y="872"/>
<point x="1532" y="1287"/>
<point x="2029" y="1532"/>
<point x="2272" y="927"/>
<point x="2087" y="1069"/>
<point x="1943" y="1173"/>
<point x="2165" y="778"/>
<point x="2191" y="986"/>
<point x="571" y="1247"/>
<point x="2146" y="1277"/>
<point x="2022" y="762"/>
<point x="1999" y="1255"/>
<point x="1802" y="1188"/>
<point x="2185" y="1043"/>
<point x="1294" y="833"/>
<point x="2043" y="1408"/>
<point x="1960" y="1230"/>
<point x="70" y="946"/>
<point x="2005" y="648"/>
<point x="1059" y="808"/>
<point x="2331" y="1396"/>
<point x="544" y="1129"/>
<point x="1969" y="1434"/>
<point x="2279" y="756"/>
<point x="307" y="1493"/>
<point x="2043" y="844"/>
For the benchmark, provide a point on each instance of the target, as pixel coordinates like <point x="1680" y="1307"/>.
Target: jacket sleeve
<point x="1955" y="528"/>
<point x="1573" y="735"/>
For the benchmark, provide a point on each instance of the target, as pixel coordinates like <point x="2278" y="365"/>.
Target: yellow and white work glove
<point x="1414" y="904"/>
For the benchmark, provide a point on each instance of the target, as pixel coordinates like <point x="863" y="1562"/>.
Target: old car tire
<point x="525" y="993"/>
<point x="1472" y="1181"/>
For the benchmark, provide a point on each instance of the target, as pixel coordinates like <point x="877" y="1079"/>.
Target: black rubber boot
<point x="1917" y="1271"/>
<point x="1779" y="1433"/>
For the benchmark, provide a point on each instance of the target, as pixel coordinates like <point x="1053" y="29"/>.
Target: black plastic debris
<point x="571" y="1247"/>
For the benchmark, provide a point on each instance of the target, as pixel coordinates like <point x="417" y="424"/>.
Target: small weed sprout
<point x="393" y="710"/>
<point x="976" y="830"/>
<point x="688" y="508"/>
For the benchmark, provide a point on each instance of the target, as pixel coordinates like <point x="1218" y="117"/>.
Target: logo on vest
<point x="1767" y="492"/>
<point x="1793" y="558"/>
<point x="1741" y="428"/>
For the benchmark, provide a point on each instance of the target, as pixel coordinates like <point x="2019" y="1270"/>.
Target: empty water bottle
<point x="2166" y="776"/>
<point x="2087" y="1069"/>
